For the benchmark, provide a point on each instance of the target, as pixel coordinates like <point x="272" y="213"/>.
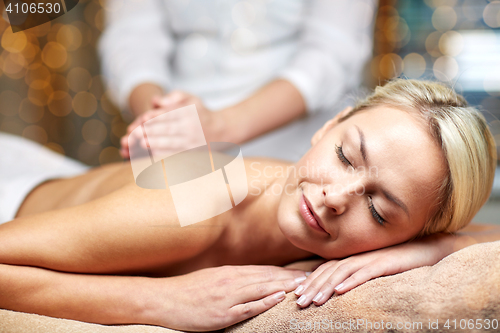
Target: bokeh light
<point x="84" y="104"/>
<point x="94" y="132"/>
<point x="414" y="65"/>
<point x="491" y="14"/>
<point x="54" y="55"/>
<point x="60" y="103"/>
<point x="445" y="68"/>
<point x="79" y="79"/>
<point x="35" y="133"/>
<point x="50" y="79"/>
<point x="444" y="18"/>
<point x="29" y="112"/>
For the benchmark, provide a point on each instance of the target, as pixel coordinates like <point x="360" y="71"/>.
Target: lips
<point x="309" y="216"/>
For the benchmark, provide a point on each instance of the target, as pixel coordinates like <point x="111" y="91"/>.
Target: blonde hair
<point x="466" y="141"/>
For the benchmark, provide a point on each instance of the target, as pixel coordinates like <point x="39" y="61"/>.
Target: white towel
<point x="25" y="164"/>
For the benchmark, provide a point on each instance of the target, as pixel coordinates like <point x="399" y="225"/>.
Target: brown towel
<point x="464" y="286"/>
<point x="462" y="291"/>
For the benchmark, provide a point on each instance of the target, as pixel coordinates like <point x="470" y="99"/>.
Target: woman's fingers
<point x="312" y="277"/>
<point x="273" y="273"/>
<point x="244" y="311"/>
<point x="258" y="291"/>
<point x="338" y="277"/>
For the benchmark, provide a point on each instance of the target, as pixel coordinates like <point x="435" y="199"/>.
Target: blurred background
<point x="51" y="90"/>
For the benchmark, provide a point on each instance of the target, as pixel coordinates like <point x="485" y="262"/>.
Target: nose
<point x="338" y="197"/>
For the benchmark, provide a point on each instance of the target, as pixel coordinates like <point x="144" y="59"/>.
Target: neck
<point x="260" y="234"/>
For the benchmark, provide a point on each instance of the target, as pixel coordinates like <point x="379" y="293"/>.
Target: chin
<point x="295" y="230"/>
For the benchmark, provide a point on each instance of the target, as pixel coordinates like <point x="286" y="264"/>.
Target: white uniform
<point x="224" y="50"/>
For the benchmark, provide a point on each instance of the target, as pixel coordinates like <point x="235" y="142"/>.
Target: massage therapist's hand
<point x="214" y="298"/>
<point x="172" y="134"/>
<point x="340" y="276"/>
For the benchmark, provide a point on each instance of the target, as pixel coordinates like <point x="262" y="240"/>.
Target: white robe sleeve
<point x="334" y="45"/>
<point x="135" y="47"/>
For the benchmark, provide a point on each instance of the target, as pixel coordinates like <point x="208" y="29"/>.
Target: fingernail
<point x="317" y="297"/>
<point x="339" y="287"/>
<point x="308" y="273"/>
<point x="301" y="300"/>
<point x="279" y="295"/>
<point x="299" y="290"/>
<point x="300" y="279"/>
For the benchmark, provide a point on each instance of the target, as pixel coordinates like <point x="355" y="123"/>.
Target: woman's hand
<point x="340" y="276"/>
<point x="214" y="298"/>
<point x="172" y="134"/>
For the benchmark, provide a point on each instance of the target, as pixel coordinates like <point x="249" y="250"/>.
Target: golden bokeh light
<point x="39" y="92"/>
<point x="37" y="72"/>
<point x="109" y="155"/>
<point x="79" y="79"/>
<point x="14" y="42"/>
<point x="36" y="133"/>
<point x="29" y="52"/>
<point x="13" y="65"/>
<point x="119" y="128"/>
<point x="84" y="104"/>
<point x="94" y="132"/>
<point x="29" y="112"/>
<point x="391" y="65"/>
<point x="54" y="55"/>
<point x="55" y="147"/>
<point x="60" y="103"/>
<point x="444" y="18"/>
<point x="70" y="37"/>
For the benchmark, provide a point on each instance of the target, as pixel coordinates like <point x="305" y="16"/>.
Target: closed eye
<point x="341" y="156"/>
<point x="374" y="212"/>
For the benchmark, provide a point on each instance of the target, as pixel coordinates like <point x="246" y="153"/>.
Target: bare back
<point x="127" y="229"/>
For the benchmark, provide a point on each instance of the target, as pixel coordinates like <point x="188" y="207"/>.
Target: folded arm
<point x="340" y="276"/>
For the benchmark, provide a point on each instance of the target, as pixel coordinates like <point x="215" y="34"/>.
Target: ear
<point x="329" y="124"/>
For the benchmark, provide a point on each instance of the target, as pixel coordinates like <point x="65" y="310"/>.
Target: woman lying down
<point x="98" y="248"/>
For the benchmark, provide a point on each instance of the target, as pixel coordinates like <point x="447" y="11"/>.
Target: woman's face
<point x="368" y="182"/>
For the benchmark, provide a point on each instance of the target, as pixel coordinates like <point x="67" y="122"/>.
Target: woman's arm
<point x="129" y="230"/>
<point x="205" y="300"/>
<point x="340" y="276"/>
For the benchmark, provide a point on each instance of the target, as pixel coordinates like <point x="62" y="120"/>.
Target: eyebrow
<point x="362" y="148"/>
<point x="387" y="194"/>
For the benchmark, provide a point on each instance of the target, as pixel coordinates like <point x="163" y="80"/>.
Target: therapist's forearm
<point x="276" y="104"/>
<point x="141" y="97"/>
